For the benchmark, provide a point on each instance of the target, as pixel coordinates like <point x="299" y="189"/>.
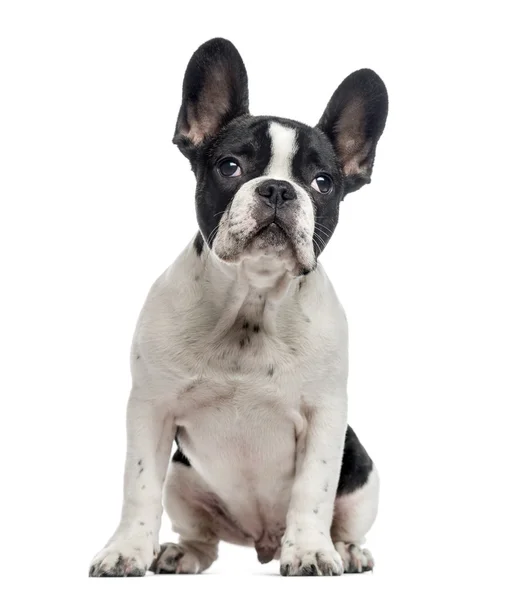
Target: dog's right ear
<point x="215" y="91"/>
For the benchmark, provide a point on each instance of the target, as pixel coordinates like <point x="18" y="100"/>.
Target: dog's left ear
<point x="215" y="91"/>
<point x="354" y="121"/>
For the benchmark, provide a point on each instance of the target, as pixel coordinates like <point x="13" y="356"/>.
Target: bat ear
<point x="354" y="121"/>
<point x="215" y="91"/>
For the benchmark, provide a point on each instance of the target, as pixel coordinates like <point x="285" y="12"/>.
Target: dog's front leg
<point x="307" y="548"/>
<point x="150" y="433"/>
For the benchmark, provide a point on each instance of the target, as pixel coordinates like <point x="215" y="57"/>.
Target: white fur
<point x="261" y="415"/>
<point x="283" y="148"/>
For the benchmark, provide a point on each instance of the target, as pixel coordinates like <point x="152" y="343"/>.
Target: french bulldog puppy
<point x="240" y="352"/>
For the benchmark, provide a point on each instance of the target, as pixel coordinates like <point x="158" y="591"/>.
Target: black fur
<point x="198" y="243"/>
<point x="179" y="456"/>
<point x="356" y="465"/>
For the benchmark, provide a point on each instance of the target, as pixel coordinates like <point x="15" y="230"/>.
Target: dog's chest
<point x="239" y="419"/>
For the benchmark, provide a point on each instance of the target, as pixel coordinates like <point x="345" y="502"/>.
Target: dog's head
<point x="270" y="187"/>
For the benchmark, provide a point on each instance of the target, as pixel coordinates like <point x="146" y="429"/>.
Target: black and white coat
<point x="240" y="352"/>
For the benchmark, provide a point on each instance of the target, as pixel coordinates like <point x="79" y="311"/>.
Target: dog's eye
<point x="322" y="183"/>
<point x="229" y="167"/>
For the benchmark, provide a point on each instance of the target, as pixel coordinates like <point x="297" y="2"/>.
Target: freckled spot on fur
<point x="139" y="462"/>
<point x="270" y="370"/>
<point x="197" y="277"/>
<point x="326" y="487"/>
<point x="141" y="470"/>
<point x="315" y="510"/>
<point x="143" y="487"/>
<point x="141" y="523"/>
<point x="307" y="319"/>
<point x="245" y="325"/>
<point x="289" y="543"/>
<point x="324" y="461"/>
<point x="137" y="549"/>
<point x="244" y="341"/>
<point x="138" y="356"/>
<point x="299" y="530"/>
<point x="293" y="349"/>
<point x="256" y="328"/>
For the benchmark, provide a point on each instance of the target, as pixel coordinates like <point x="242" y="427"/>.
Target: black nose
<point x="275" y="192"/>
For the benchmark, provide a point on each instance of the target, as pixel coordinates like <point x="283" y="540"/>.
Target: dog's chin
<point x="270" y="242"/>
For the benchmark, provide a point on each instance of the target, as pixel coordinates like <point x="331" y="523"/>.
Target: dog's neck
<point x="252" y="292"/>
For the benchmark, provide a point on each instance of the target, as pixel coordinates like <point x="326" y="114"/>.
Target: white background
<point x="96" y="202"/>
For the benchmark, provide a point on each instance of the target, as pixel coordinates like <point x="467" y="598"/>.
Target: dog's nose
<point x="275" y="192"/>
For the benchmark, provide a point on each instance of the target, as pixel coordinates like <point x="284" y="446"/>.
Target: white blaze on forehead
<point x="283" y="148"/>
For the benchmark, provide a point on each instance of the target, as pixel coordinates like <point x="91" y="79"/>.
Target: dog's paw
<point x="122" y="558"/>
<point x="355" y="558"/>
<point x="173" y="558"/>
<point x="299" y="559"/>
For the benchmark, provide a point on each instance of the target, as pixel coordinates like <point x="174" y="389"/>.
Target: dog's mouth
<point x="272" y="233"/>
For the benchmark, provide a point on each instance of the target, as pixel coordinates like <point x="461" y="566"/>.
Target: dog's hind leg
<point x="355" y="507"/>
<point x="197" y="547"/>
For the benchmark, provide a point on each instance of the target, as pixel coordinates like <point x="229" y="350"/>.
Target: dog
<point x="240" y="351"/>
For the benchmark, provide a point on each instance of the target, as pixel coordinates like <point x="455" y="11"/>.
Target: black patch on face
<point x="256" y="328"/>
<point x="315" y="155"/>
<point x="356" y="466"/>
<point x="247" y="141"/>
